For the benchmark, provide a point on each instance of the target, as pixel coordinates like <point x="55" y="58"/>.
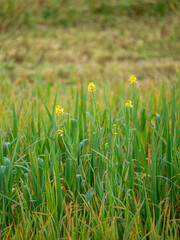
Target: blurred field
<point x="112" y="39"/>
<point x="107" y="166"/>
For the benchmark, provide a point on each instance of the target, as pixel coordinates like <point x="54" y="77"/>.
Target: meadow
<point x="87" y="149"/>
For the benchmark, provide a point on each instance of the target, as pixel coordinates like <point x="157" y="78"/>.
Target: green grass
<point x="114" y="174"/>
<point x="18" y="13"/>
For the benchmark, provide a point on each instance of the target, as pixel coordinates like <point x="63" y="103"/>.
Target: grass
<point x="114" y="174"/>
<point x="101" y="170"/>
<point x="110" y="42"/>
<point x="74" y="53"/>
<point x="69" y="13"/>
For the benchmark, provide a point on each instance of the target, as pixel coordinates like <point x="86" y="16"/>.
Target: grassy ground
<point x="111" y="172"/>
<point x="112" y="45"/>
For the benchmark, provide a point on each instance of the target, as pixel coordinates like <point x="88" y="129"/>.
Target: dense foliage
<point x="103" y="164"/>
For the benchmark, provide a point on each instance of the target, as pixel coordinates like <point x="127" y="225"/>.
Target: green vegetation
<point x="80" y="161"/>
<point x="71" y="13"/>
<point x="113" y="173"/>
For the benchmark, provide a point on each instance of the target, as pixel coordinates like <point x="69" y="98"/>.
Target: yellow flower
<point x="60" y="132"/>
<point x="129" y="104"/>
<point x="133" y="79"/>
<point x="115" y="133"/>
<point x="114" y="125"/>
<point x="59" y="110"/>
<point x="91" y="87"/>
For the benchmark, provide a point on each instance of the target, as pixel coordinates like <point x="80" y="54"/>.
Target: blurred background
<point x="94" y="40"/>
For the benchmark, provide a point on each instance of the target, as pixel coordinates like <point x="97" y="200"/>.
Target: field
<point x="87" y="151"/>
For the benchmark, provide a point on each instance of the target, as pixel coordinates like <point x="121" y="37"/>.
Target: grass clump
<point x="100" y="164"/>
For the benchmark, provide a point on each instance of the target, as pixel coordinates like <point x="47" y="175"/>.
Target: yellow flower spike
<point x="129" y="104"/>
<point x="59" y="110"/>
<point x="91" y="87"/>
<point x="60" y="132"/>
<point x="114" y="125"/>
<point x="115" y="133"/>
<point x="133" y="79"/>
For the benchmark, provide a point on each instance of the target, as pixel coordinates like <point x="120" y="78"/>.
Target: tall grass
<point x="114" y="174"/>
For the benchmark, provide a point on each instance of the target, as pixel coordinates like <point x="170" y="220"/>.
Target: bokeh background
<point x="71" y="40"/>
